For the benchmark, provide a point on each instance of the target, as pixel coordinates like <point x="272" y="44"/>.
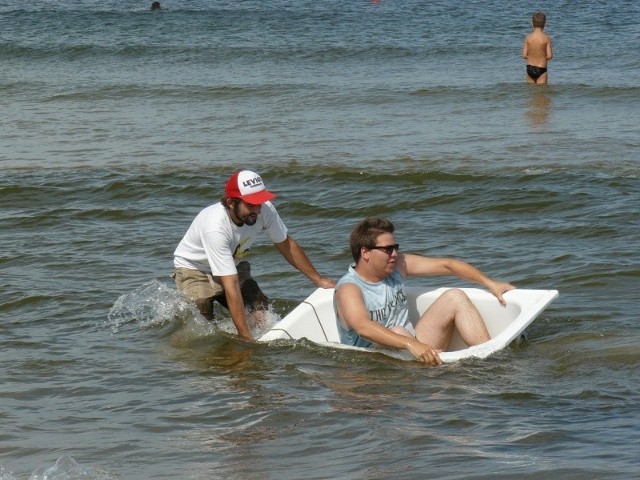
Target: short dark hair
<point x="366" y="233"/>
<point x="224" y="200"/>
<point x="538" y="20"/>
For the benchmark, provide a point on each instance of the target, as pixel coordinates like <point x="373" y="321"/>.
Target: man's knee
<point x="252" y="296"/>
<point x="456" y="296"/>
<point x="205" y="305"/>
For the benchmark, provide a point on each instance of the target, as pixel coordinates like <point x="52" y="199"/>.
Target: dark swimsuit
<point x="535" y="72"/>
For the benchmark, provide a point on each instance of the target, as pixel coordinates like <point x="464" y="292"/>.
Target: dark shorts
<point x="535" y="72"/>
<point x="205" y="289"/>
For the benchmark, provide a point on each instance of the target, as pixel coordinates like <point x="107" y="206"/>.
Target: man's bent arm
<point x="417" y="265"/>
<point x="351" y="308"/>
<point x="294" y="254"/>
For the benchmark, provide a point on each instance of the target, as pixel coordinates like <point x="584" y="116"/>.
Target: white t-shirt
<point x="214" y="244"/>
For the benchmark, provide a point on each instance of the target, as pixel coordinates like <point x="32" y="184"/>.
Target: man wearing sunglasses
<point x="371" y="306"/>
<point x="210" y="262"/>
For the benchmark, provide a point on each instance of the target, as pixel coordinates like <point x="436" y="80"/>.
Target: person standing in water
<point x="211" y="259"/>
<point x="537" y="50"/>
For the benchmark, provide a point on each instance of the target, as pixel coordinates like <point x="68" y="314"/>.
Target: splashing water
<point x="154" y="304"/>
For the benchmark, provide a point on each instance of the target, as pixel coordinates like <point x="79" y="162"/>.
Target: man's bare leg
<point x="453" y="309"/>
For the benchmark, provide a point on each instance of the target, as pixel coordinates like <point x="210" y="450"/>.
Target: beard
<point x="248" y="219"/>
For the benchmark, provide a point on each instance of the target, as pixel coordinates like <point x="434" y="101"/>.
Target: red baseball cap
<point x="248" y="186"/>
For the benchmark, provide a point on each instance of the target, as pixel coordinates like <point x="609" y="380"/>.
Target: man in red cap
<point x="210" y="260"/>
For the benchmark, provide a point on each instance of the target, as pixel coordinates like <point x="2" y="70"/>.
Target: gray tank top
<point x="385" y="301"/>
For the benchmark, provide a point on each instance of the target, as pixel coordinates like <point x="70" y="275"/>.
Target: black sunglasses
<point x="388" y="249"/>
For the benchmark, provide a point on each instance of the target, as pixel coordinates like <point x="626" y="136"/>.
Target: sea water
<point x="118" y="124"/>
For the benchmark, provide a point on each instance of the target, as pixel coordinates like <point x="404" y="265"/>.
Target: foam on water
<point x="65" y="468"/>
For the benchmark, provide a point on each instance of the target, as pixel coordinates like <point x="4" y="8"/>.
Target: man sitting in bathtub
<point x="371" y="306"/>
